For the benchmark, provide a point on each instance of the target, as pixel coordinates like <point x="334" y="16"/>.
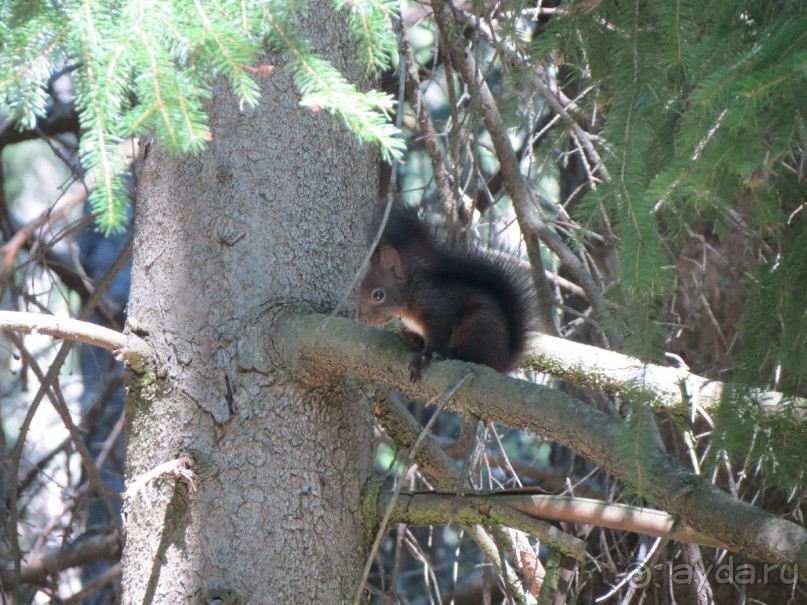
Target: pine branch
<point x="147" y="70"/>
<point x="324" y="88"/>
<point x="99" y="101"/>
<point x="676" y="390"/>
<point x="233" y="54"/>
<point x="369" y="23"/>
<point x="29" y="53"/>
<point x="372" y="355"/>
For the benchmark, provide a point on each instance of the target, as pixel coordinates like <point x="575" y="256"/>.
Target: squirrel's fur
<point x="454" y="300"/>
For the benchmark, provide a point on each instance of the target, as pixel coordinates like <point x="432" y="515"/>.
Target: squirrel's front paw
<point x="412" y="340"/>
<point x="416" y="366"/>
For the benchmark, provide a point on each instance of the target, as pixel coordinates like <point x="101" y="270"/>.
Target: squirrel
<point x="454" y="300"/>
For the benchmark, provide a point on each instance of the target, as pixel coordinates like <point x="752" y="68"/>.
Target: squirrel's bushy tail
<point x="451" y="261"/>
<point x="406" y="231"/>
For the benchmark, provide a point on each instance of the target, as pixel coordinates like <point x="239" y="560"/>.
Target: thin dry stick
<point x="409" y="461"/>
<point x="110" y="575"/>
<point x="434" y="462"/>
<point x="445" y="18"/>
<point x="75" y="195"/>
<point x="72" y="197"/>
<point x="556" y="100"/>
<point x="44" y="387"/>
<point x="57" y="400"/>
<point x="63" y="327"/>
<point x="109" y="444"/>
<point x="429" y="578"/>
<point x="429" y="134"/>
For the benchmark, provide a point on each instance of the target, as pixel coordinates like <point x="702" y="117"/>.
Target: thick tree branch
<point x="127" y="347"/>
<point x="320" y="354"/>
<point x="431" y="508"/>
<point x="675" y="389"/>
<point x="440" y="507"/>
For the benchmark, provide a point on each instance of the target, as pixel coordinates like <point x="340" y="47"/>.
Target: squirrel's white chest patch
<point x="413" y="326"/>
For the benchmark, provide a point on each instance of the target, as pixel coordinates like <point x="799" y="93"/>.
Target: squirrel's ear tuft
<point x="391" y="263"/>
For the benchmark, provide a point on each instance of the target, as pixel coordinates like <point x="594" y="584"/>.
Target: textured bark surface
<point x="272" y="214"/>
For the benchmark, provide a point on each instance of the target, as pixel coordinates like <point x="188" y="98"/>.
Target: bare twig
<point x="56" y="398"/>
<point x="39" y="567"/>
<point x="531" y="223"/>
<point x="128" y="347"/>
<point x="110" y="575"/>
<point x="75" y="195"/>
<point x="427" y="129"/>
<point x="178" y="469"/>
<point x="46" y="381"/>
<point x="409" y="460"/>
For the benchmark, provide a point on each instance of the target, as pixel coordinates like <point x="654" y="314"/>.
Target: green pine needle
<point x="147" y="70"/>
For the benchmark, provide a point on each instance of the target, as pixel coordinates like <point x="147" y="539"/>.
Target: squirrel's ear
<point x="391" y="262"/>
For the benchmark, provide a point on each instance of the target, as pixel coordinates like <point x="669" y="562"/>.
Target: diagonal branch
<point x="40" y="567"/>
<point x="440" y="469"/>
<point x="323" y="355"/>
<point x="415" y="97"/>
<point x="515" y="181"/>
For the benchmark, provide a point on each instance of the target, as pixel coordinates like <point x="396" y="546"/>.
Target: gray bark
<point x="269" y="218"/>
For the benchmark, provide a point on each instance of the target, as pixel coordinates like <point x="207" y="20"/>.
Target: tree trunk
<point x="268" y="219"/>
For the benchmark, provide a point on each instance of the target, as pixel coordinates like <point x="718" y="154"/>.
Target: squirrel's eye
<point x="378" y="295"/>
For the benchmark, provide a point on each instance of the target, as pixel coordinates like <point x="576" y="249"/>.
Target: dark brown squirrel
<point x="454" y="300"/>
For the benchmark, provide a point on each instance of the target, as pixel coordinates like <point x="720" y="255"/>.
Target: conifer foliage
<point x="652" y="154"/>
<point x="146" y="68"/>
<point x="703" y="136"/>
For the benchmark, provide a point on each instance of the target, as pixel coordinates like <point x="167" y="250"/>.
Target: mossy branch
<point x="320" y="354"/>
